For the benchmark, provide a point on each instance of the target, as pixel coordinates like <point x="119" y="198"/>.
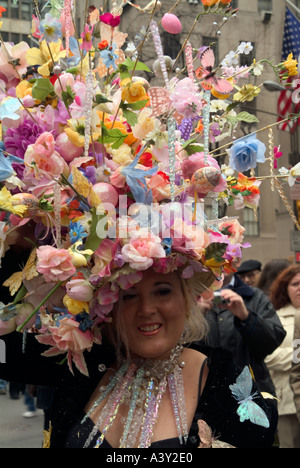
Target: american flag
<point x="291" y="44"/>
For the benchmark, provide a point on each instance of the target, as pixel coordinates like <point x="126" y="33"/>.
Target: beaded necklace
<point x="140" y="385"/>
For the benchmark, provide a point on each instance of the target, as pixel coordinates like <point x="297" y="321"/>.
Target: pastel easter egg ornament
<point x="107" y="193"/>
<point x="204" y="180"/>
<point x="171" y="23"/>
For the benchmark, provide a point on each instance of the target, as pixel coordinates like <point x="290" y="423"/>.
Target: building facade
<point x="260" y="22"/>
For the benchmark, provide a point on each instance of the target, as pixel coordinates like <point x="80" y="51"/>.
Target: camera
<point x="218" y="299"/>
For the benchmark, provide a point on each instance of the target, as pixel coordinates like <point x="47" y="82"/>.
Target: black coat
<point x="249" y="341"/>
<point x="216" y="406"/>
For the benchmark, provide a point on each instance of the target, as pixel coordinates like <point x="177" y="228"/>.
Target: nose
<point x="147" y="305"/>
<point x="248" y="279"/>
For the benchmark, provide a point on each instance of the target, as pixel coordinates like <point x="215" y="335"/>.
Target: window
<point x="15" y="38"/>
<point x="265" y="5"/>
<point x="171" y="44"/>
<point x="26" y="10"/>
<point x="14" y="10"/>
<point x="19" y="10"/>
<point x="250" y="222"/>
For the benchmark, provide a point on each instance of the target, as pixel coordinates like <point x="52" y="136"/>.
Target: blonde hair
<point x="195" y="327"/>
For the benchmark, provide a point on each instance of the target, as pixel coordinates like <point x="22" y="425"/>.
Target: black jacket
<point x="249" y="341"/>
<point x="216" y="406"/>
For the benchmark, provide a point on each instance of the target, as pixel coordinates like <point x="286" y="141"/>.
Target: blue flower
<point x="109" y="57"/>
<point x="246" y="153"/>
<point x="76" y="232"/>
<point x="167" y="245"/>
<point x="51" y="28"/>
<point x="75" y="58"/>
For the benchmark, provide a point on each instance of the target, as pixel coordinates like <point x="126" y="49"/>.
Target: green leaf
<point x="93" y="241"/>
<point x="68" y="96"/>
<point x="130" y="117"/>
<point x="42" y="88"/>
<point x="137" y="105"/>
<point x="124" y="72"/>
<point x="246" y="117"/>
<point x="139" y="66"/>
<point x="113" y="136"/>
<point x="216" y="250"/>
<point x="232" y="120"/>
<point x="191" y="147"/>
<point x="232" y="106"/>
<point x="100" y="99"/>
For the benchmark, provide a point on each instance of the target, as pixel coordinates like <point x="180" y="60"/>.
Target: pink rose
<point x="233" y="229"/>
<point x="140" y="252"/>
<point x="43" y="155"/>
<point x="107" y="295"/>
<point x="68" y="338"/>
<point x="54" y="264"/>
<point x="80" y="290"/>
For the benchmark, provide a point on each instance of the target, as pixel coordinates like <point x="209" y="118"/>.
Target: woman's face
<point x="294" y="291"/>
<point x="154" y="314"/>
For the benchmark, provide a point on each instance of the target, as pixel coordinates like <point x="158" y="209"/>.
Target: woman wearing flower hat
<point x="143" y="385"/>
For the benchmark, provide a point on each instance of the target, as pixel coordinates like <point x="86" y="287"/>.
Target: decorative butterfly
<point x="161" y="103"/>
<point x="248" y="409"/>
<point x="207" y="74"/>
<point x="15" y="281"/>
<point x="207" y="439"/>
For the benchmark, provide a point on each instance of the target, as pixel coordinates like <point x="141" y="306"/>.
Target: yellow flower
<point x="6" y="203"/>
<point x="122" y="155"/>
<point x="133" y="92"/>
<point x="79" y="256"/>
<point x="75" y="307"/>
<point x="247" y="93"/>
<point x="43" y="57"/>
<point x="76" y="132"/>
<point x="23" y="89"/>
<point x="291" y="65"/>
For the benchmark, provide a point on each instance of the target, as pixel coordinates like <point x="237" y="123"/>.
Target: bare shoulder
<point x="193" y="357"/>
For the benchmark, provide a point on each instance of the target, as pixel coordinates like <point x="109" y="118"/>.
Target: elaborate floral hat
<point x="112" y="173"/>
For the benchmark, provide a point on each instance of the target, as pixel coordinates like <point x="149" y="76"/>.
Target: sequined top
<point x="216" y="406"/>
<point x="80" y="432"/>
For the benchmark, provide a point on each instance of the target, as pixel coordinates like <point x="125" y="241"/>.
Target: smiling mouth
<point x="150" y="329"/>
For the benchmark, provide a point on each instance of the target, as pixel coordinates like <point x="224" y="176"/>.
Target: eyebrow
<point x="158" y="283"/>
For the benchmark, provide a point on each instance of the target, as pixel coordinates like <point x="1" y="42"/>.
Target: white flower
<point x="245" y="48"/>
<point x="294" y="173"/>
<point x="227" y="171"/>
<point x="218" y="105"/>
<point x="258" y="68"/>
<point x="231" y="59"/>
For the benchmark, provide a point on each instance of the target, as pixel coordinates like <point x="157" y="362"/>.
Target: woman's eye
<point x="164" y="291"/>
<point x="128" y="297"/>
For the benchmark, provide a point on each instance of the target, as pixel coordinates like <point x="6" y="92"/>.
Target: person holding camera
<point x="242" y="320"/>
